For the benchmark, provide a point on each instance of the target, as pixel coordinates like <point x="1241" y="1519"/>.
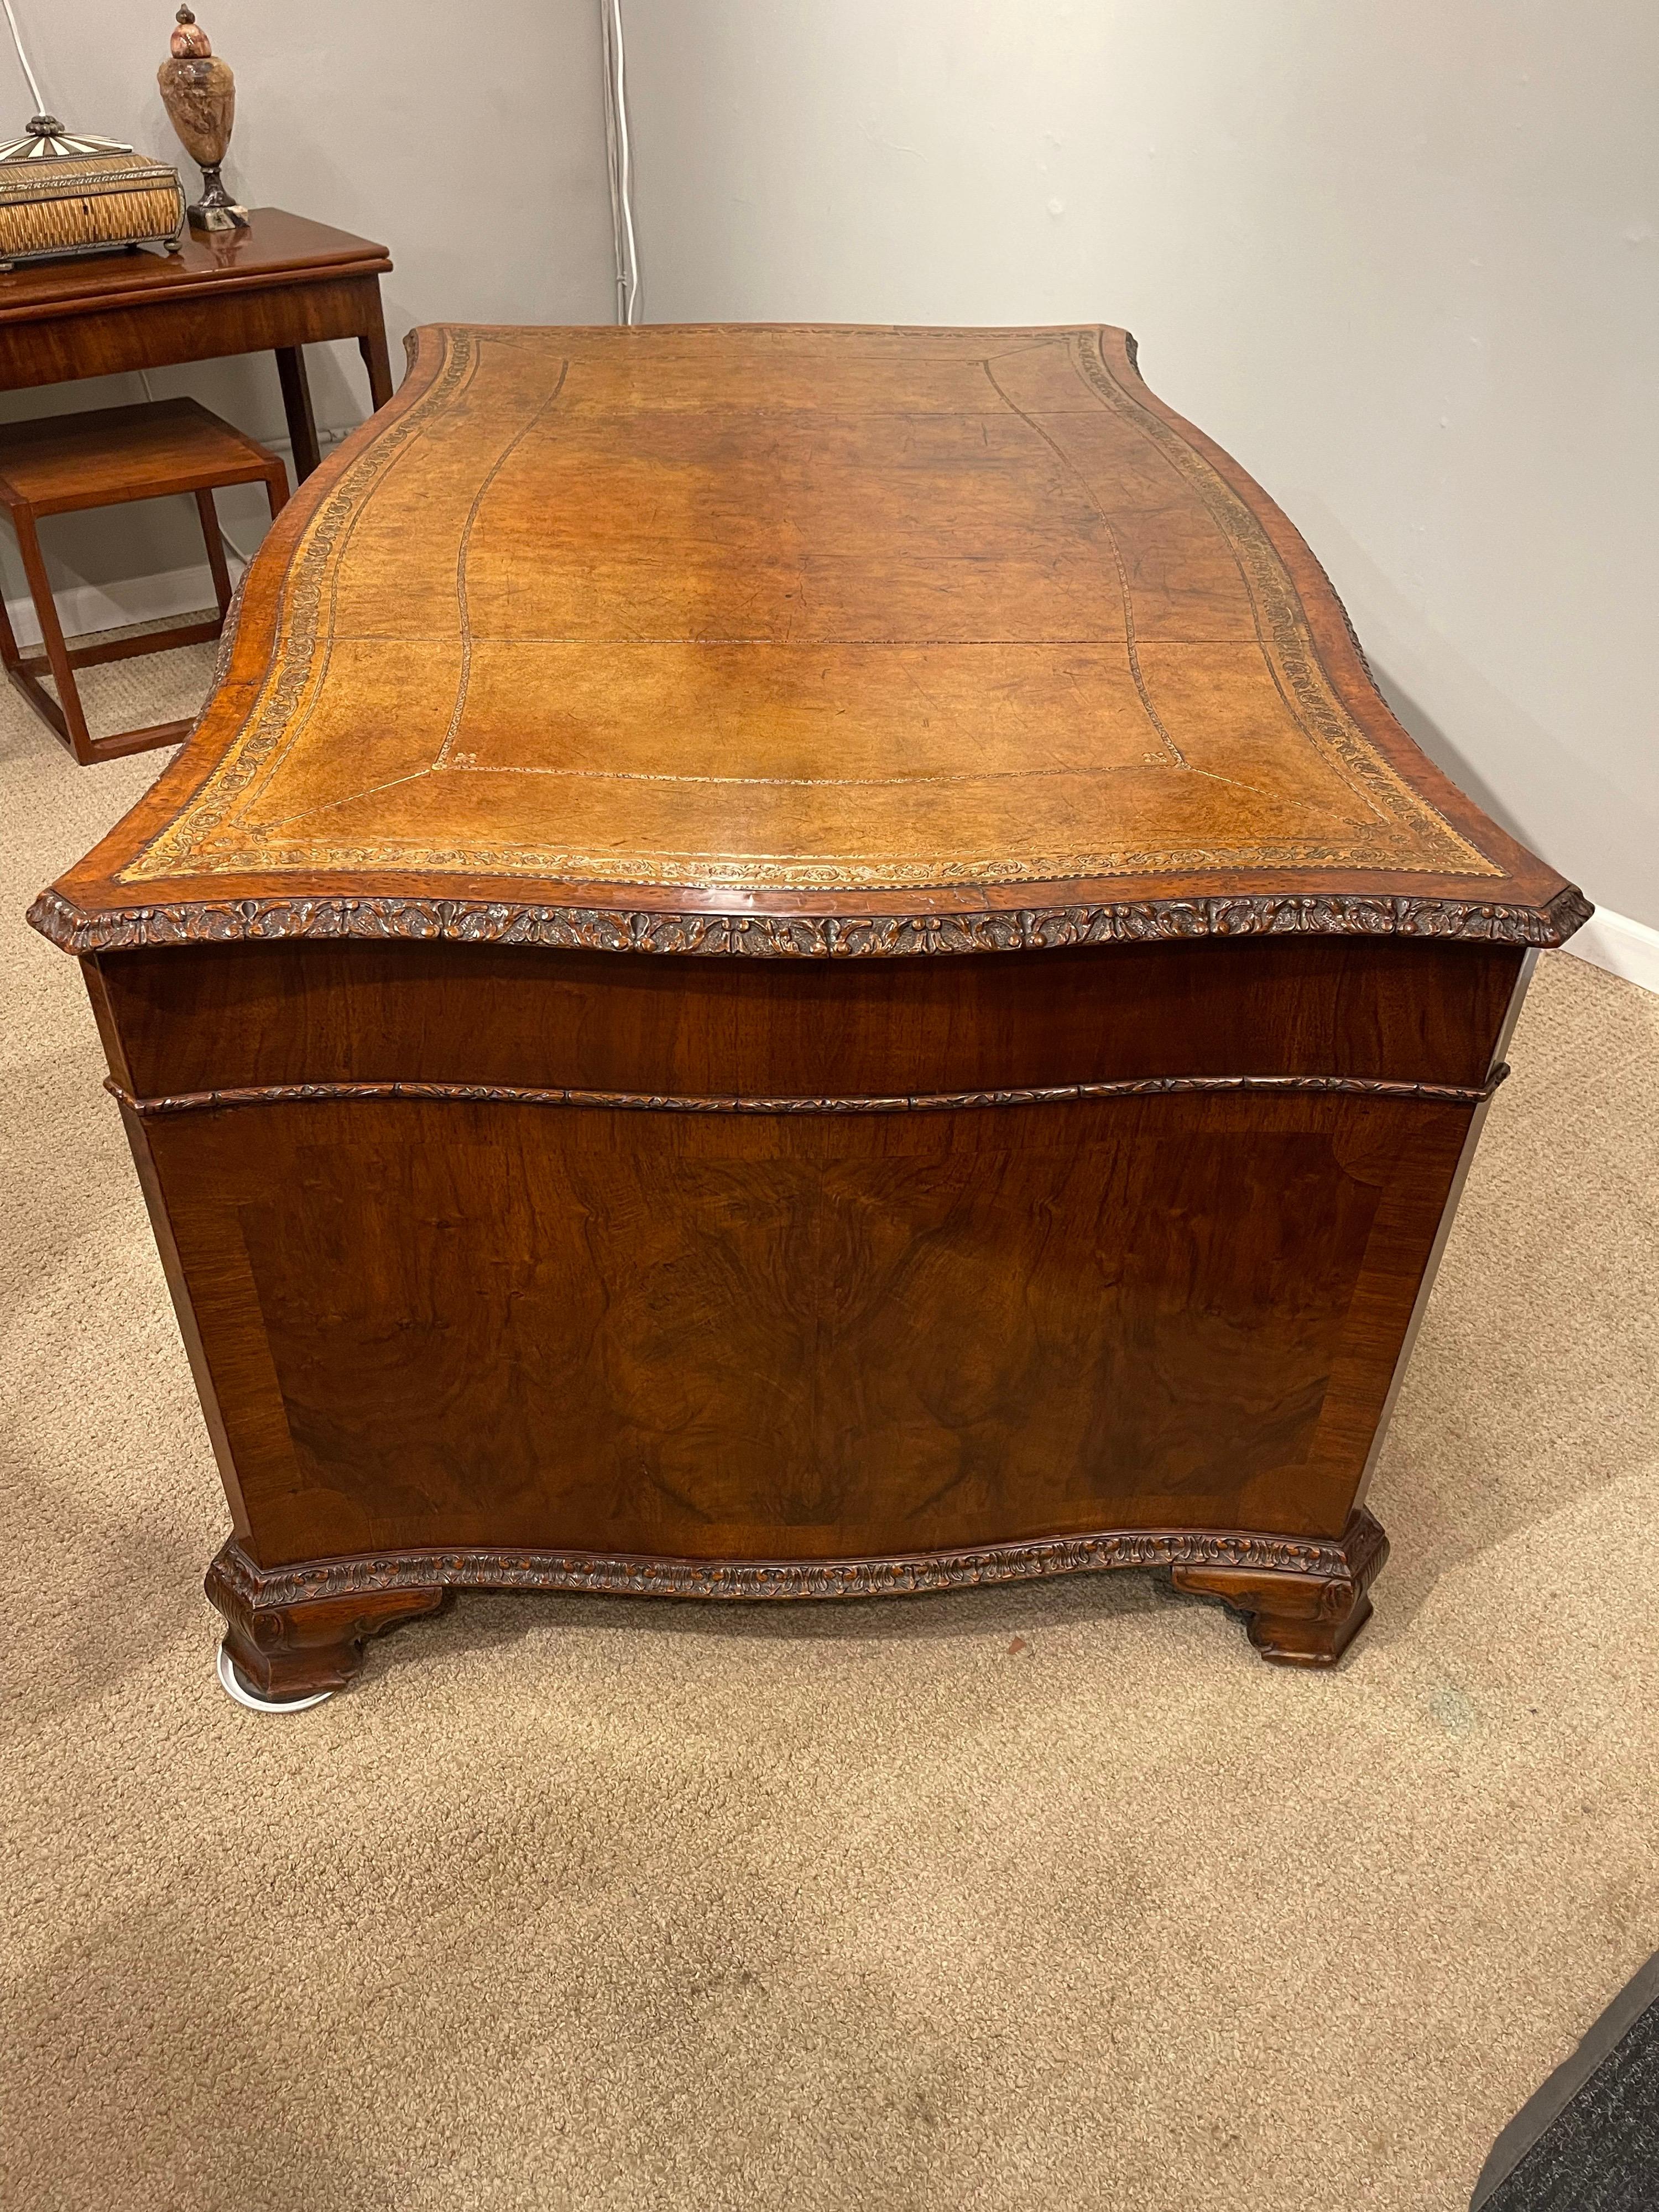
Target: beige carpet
<point x="1045" y="1898"/>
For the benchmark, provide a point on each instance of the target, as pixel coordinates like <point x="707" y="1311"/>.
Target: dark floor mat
<point x="1588" y="2140"/>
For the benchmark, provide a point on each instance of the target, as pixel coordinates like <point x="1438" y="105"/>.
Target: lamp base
<point x="215" y="209"/>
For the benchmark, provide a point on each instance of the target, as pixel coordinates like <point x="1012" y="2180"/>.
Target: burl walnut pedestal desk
<point x="794" y="962"/>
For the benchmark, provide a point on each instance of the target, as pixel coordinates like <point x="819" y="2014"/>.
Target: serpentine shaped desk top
<point x="797" y="641"/>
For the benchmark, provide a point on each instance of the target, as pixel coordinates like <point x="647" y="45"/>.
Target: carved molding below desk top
<point x="765" y="631"/>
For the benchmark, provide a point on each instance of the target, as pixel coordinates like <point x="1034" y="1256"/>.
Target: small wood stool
<point x="104" y="458"/>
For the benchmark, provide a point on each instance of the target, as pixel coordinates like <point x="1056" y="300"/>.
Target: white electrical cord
<point x="16" y="39"/>
<point x="617" y="247"/>
<point x="620" y="156"/>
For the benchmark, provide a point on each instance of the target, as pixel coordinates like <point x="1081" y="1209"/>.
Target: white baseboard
<point x="1623" y="947"/>
<point x="83" y="607"/>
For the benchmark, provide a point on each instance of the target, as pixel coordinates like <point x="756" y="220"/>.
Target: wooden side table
<point x="105" y="459"/>
<point x="281" y="285"/>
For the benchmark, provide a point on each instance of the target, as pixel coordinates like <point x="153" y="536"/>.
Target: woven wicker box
<point x="87" y="203"/>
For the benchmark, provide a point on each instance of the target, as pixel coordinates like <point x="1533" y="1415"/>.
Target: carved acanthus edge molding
<point x="639" y="1102"/>
<point x="802" y="937"/>
<point x="1354" y="1559"/>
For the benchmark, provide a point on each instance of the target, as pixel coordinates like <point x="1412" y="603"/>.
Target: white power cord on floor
<point x="620" y="153"/>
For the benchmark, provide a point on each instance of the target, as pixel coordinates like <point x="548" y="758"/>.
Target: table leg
<point x="295" y="1650"/>
<point x="372" y="346"/>
<point x="9" y="655"/>
<point x="296" y="406"/>
<point x="1299" y="1619"/>
<point x="215" y="551"/>
<point x="74" y="731"/>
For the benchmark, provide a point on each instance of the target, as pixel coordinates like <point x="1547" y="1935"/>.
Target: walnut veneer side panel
<point x="801" y="1337"/>
<point x="452" y="1322"/>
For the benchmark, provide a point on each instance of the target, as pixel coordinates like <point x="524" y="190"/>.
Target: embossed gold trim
<point x="288" y="681"/>
<point x="1283" y="634"/>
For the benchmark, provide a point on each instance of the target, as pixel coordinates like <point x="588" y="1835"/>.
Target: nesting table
<point x="791" y="963"/>
<point x="103" y="456"/>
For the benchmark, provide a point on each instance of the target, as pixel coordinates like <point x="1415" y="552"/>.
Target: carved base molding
<point x="296" y="1629"/>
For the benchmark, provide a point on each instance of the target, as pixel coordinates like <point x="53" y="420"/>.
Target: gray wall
<point x="1401" y="260"/>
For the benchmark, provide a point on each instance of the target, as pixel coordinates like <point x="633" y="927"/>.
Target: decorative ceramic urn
<point x="198" y="91"/>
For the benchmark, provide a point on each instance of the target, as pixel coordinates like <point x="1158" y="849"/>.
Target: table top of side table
<point x="797" y="640"/>
<point x="276" y="248"/>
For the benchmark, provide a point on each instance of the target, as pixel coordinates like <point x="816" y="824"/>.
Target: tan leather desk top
<point x="891" y="639"/>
